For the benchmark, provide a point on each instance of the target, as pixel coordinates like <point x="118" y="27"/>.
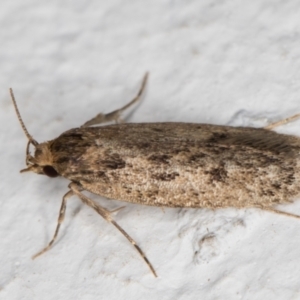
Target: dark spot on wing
<point x="217" y="174"/>
<point x="216" y="137"/>
<point x="159" y="158"/>
<point x="196" y="157"/>
<point x="112" y="161"/>
<point x="157" y="129"/>
<point x="165" y="176"/>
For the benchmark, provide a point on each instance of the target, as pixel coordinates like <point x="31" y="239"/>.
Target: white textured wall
<point x="222" y="62"/>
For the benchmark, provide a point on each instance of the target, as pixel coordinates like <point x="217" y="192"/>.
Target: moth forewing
<point x="183" y="164"/>
<point x="170" y="165"/>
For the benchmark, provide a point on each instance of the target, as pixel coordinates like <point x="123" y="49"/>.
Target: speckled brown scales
<point x="171" y="165"/>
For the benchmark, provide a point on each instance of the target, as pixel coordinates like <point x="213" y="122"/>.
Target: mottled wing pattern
<point x="181" y="164"/>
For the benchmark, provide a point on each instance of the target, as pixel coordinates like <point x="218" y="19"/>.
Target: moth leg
<point x="282" y="122"/>
<point x="115" y="115"/>
<point x="274" y="210"/>
<point x="116" y="209"/>
<point x="107" y="216"/>
<point x="61" y="217"/>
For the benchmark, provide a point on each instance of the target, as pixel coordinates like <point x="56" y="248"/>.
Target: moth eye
<point x="50" y="171"/>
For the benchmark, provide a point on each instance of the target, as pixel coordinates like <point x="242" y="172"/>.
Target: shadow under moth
<point x="169" y="165"/>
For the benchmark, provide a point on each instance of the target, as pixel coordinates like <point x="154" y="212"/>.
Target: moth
<point x="169" y="165"/>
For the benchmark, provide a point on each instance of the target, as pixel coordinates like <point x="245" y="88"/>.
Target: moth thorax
<point x="43" y="155"/>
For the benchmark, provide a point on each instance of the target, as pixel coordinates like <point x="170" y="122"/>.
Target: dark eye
<point x="50" y="171"/>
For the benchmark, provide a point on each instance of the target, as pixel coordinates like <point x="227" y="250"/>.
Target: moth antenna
<point x="30" y="138"/>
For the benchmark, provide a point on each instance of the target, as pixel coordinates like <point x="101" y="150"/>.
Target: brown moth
<point x="170" y="165"/>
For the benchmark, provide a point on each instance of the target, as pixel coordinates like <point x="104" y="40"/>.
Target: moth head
<point x="41" y="162"/>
